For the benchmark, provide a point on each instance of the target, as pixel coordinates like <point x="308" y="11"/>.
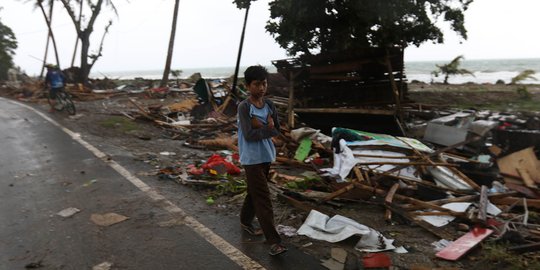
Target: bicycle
<point x="63" y="101"/>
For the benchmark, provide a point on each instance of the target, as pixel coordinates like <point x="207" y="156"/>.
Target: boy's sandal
<point x="276" y="249"/>
<point x="251" y="230"/>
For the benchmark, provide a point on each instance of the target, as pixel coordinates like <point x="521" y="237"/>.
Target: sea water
<point x="485" y="71"/>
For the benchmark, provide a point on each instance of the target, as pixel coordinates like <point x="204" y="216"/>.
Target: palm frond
<point x="524" y="75"/>
<point x="463" y="71"/>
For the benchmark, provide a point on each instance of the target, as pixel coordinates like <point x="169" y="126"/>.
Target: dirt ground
<point x="103" y="119"/>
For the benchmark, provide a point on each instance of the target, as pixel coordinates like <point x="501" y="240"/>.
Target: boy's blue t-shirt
<point x="256" y="152"/>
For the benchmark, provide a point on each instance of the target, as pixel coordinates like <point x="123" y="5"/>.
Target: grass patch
<point x="513" y="105"/>
<point x="119" y="123"/>
<point x="497" y="257"/>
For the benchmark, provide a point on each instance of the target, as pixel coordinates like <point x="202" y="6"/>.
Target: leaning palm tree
<point x="167" y="70"/>
<point x="524" y="75"/>
<point x="451" y="68"/>
<point x="50" y="36"/>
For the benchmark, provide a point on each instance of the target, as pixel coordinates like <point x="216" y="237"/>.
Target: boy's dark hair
<point x="255" y="73"/>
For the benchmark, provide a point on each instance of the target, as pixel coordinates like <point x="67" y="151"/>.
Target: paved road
<point x="43" y="170"/>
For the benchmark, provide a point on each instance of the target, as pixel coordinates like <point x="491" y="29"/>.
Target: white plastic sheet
<point x="345" y="161"/>
<point x="321" y="227"/>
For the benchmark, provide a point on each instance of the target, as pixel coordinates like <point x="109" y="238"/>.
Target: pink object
<point x="463" y="244"/>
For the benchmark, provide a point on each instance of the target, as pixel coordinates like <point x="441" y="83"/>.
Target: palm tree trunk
<point x="46" y="45"/>
<point x="235" y="79"/>
<point x="77" y="39"/>
<point x="167" y="70"/>
<point x="48" y="21"/>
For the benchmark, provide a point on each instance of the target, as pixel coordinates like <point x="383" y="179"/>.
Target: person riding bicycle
<point x="56" y="81"/>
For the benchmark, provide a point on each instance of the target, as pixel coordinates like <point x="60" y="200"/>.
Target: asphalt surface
<point x="43" y="171"/>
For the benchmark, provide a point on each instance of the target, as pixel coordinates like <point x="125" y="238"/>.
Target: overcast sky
<point x="208" y="34"/>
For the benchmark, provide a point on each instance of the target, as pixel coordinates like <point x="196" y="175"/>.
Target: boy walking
<point x="257" y="124"/>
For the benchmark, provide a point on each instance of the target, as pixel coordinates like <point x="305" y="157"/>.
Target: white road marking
<point x="219" y="243"/>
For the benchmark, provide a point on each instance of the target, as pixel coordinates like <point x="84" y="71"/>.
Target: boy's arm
<point x="250" y="133"/>
<point x="275" y="116"/>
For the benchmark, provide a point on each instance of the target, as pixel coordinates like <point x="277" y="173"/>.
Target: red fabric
<point x="377" y="260"/>
<point x="216" y="161"/>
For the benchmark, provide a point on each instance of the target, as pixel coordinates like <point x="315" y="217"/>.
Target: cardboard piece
<point x="524" y="160"/>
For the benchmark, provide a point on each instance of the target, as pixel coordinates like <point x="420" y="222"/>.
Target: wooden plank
<point x="534" y="203"/>
<point x="439" y="232"/>
<point x="523" y="190"/>
<point x="463" y="244"/>
<point x="358" y="174"/>
<point x="290" y="107"/>
<point x="408" y="163"/>
<point x="525" y="248"/>
<point x="291" y="162"/>
<point x="395" y="90"/>
<point x="345" y="110"/>
<point x="482" y="204"/>
<point x="424" y="204"/>
<point x="465" y="178"/>
<point x="388" y="200"/>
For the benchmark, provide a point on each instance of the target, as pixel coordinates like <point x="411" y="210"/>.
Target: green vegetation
<point x="495" y="256"/>
<point x="523" y="93"/>
<point x="305" y="27"/>
<point x="451" y="69"/>
<point x="8" y="44"/>
<point x="119" y="123"/>
<point x="526" y="74"/>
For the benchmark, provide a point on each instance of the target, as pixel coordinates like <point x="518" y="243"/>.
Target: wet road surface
<point x="43" y="171"/>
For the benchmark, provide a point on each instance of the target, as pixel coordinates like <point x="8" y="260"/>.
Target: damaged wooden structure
<point x="370" y="81"/>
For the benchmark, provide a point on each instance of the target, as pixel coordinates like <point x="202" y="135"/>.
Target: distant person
<point x="257" y="124"/>
<point x="55" y="81"/>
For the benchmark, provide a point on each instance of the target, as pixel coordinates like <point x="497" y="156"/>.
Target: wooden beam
<point x="290" y="107"/>
<point x="388" y="201"/>
<point x="482" y="204"/>
<point x="439" y="232"/>
<point x="345" y="110"/>
<point x="535" y="203"/>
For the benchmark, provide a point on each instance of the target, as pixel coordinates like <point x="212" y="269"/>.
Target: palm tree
<point x="451" y="68"/>
<point x="50" y="35"/>
<point x="240" y="4"/>
<point x="167" y="70"/>
<point x="526" y="74"/>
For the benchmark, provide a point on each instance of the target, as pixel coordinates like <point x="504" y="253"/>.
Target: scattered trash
<point x="103" y="266"/>
<point x="107" y="219"/>
<point x="286" y="230"/>
<point x="68" y="212"/>
<point x="321" y="227"/>
<point x="376" y="260"/>
<point x="89" y="183"/>
<point x="332" y="264"/>
<point x="338" y="254"/>
<point x="441" y="244"/>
